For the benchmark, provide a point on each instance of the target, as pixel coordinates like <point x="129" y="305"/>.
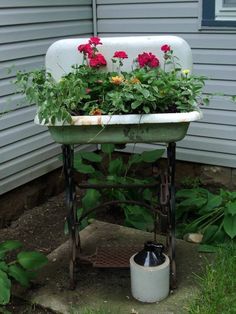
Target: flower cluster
<point x="153" y="85"/>
<point x="148" y="59"/>
<point x="120" y="55"/>
<point x="91" y="53"/>
<point x="165" y="48"/>
<point x="96" y="59"/>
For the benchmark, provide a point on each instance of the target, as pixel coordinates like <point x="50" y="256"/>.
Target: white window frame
<point x="224" y="13"/>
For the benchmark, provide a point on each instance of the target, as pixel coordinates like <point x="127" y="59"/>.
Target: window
<point x="219" y="13"/>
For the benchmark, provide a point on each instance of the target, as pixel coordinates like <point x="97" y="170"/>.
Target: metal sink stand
<point x="165" y="213"/>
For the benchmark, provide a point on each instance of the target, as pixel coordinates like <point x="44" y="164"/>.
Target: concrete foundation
<point x="27" y="196"/>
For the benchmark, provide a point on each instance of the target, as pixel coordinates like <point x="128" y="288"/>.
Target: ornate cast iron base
<point x="164" y="215"/>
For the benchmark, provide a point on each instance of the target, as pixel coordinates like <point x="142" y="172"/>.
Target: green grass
<point x="217" y="286"/>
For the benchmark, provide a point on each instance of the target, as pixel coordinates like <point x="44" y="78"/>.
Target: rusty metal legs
<point x="171" y="212"/>
<point x="68" y="156"/>
<point x="166" y="218"/>
<point x="167" y="204"/>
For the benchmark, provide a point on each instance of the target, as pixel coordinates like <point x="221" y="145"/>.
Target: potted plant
<point x="101" y="100"/>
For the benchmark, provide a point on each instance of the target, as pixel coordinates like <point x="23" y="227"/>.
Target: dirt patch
<point x="42" y="229"/>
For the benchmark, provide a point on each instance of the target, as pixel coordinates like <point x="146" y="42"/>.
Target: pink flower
<point x="165" y="48"/>
<point x="120" y="55"/>
<point x="86" y="49"/>
<point x="95" y="41"/>
<point x="97" y="60"/>
<point x="148" y="59"/>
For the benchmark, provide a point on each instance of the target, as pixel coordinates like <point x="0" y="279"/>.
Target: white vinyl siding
<point x="212" y="140"/>
<point x="27" y="29"/>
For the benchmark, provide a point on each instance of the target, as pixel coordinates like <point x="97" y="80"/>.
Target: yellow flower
<point x="135" y="80"/>
<point x="117" y="80"/>
<point x="186" y="72"/>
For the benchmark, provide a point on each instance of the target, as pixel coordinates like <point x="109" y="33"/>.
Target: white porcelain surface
<point x="132" y="119"/>
<point x="62" y="54"/>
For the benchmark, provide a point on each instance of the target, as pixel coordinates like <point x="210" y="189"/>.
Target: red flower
<point x="154" y="63"/>
<point x="95" y="41"/>
<point x="120" y="54"/>
<point x="86" y="49"/>
<point x="148" y="59"/>
<point x="165" y="48"/>
<point x="97" y="61"/>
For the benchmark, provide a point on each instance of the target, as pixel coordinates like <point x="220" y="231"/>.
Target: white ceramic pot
<point x="150" y="284"/>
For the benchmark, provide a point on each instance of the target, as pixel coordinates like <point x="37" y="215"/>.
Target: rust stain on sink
<point x="86" y="120"/>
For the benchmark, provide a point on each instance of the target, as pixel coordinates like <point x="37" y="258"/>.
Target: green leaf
<point x="3" y="266"/>
<point x="209" y="233"/>
<point x="189" y="193"/>
<point x="135" y="159"/>
<point x="91" y="156"/>
<point x="84" y="223"/>
<point x="147" y="195"/>
<point x="91" y="199"/>
<point x="219" y="236"/>
<point x="207" y="248"/>
<point x="194" y="202"/>
<point x="192" y="227"/>
<point x="118" y="195"/>
<point x="146" y="109"/>
<point x="19" y="274"/>
<point x="212" y="202"/>
<point x="116" y="167"/>
<point x="83" y="168"/>
<point x="145" y="93"/>
<point x="5" y="288"/>
<point x="229" y="224"/>
<point x="77" y="160"/>
<point x="66" y="229"/>
<point x="138" y="217"/>
<point x="135" y="104"/>
<point x="107" y="148"/>
<point x="153" y="155"/>
<point x="31" y="260"/>
<point x="79" y="212"/>
<point x="231" y="207"/>
<point x="10" y="245"/>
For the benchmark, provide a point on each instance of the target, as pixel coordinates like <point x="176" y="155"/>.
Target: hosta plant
<point x="104" y="168"/>
<point x="213" y="215"/>
<point x="22" y="269"/>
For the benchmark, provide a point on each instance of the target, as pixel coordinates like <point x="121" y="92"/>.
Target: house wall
<point x="212" y="140"/>
<point x="27" y="29"/>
